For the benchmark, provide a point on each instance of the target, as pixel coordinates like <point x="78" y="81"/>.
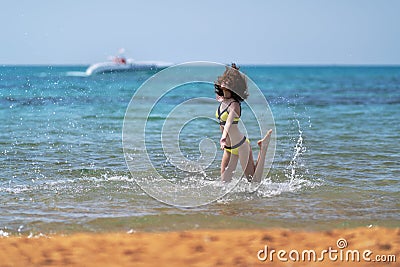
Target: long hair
<point x="235" y="81"/>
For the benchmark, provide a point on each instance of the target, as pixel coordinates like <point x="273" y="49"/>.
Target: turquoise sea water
<point x="63" y="169"/>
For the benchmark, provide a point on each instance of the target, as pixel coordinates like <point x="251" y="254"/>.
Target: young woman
<point x="231" y="90"/>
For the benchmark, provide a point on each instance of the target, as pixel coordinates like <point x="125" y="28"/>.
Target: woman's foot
<point x="263" y="143"/>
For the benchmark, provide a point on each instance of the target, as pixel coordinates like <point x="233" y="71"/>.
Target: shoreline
<point x="234" y="247"/>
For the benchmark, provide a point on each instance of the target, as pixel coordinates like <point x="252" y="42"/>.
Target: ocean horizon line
<point x="240" y="64"/>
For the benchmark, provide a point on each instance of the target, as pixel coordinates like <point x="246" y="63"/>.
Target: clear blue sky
<point x="266" y="32"/>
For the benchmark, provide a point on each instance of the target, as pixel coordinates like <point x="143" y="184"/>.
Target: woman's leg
<point x="253" y="171"/>
<point x="228" y="166"/>
<point x="246" y="160"/>
<point x="259" y="167"/>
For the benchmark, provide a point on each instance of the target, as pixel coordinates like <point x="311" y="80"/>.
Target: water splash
<point x="294" y="173"/>
<point x="292" y="170"/>
<point x="4" y="233"/>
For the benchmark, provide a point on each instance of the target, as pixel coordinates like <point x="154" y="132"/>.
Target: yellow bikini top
<point x="223" y="116"/>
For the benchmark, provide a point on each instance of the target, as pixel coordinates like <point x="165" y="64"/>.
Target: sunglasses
<point x="218" y="90"/>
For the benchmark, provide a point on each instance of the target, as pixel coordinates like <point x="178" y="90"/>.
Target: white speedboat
<point x="122" y="64"/>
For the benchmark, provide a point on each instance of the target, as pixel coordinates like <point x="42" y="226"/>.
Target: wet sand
<point x="207" y="248"/>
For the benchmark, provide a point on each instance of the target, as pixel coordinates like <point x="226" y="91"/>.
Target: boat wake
<point x="76" y="74"/>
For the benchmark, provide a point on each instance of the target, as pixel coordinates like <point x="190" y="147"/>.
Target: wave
<point x="322" y="101"/>
<point x="66" y="184"/>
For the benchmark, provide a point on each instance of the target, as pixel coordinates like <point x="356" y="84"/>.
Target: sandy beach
<point x="270" y="247"/>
